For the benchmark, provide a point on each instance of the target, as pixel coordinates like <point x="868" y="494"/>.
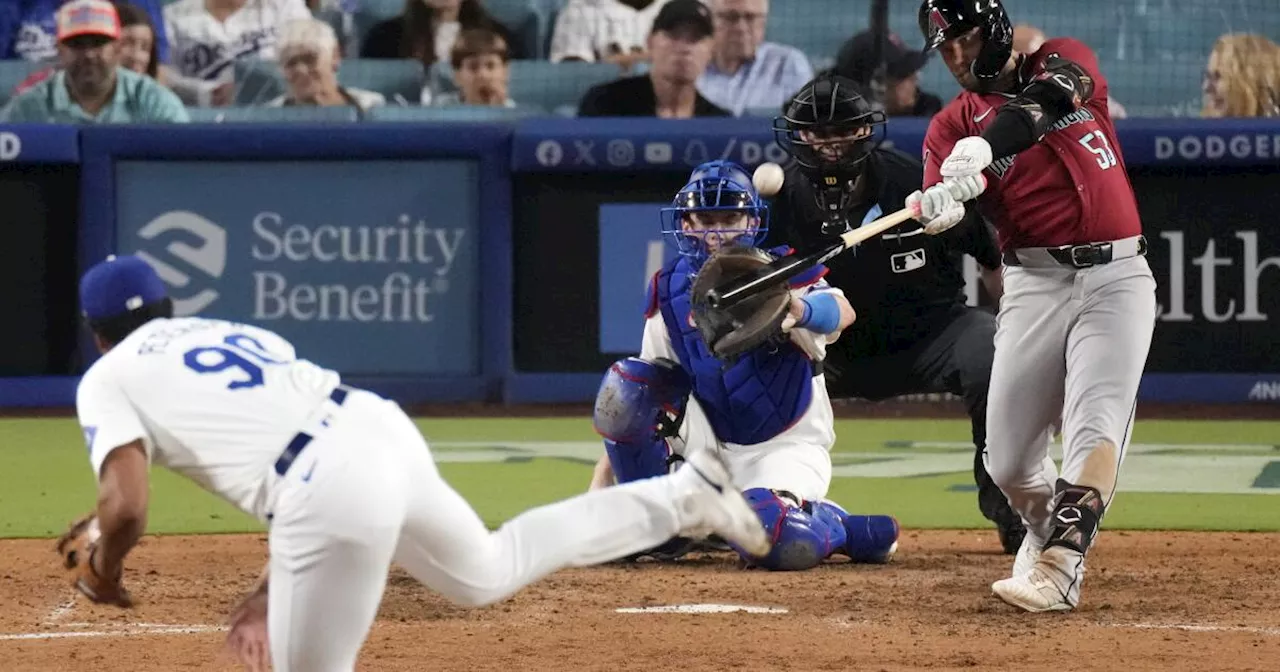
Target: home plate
<point x="701" y="609"/>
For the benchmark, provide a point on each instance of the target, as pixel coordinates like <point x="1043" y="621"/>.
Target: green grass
<point x="46" y="481"/>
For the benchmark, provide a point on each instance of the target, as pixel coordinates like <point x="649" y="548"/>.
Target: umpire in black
<point x="914" y="332"/>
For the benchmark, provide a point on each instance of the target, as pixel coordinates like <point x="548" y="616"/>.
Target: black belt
<point x="1077" y="256"/>
<point x="301" y="439"/>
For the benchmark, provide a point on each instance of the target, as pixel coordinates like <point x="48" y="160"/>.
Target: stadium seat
<point x="258" y="81"/>
<point x="372" y="12"/>
<point x="399" y="113"/>
<point x="391" y="78"/>
<point x="1154" y="88"/>
<point x="819" y="27"/>
<point x="440" y="78"/>
<point x="231" y="115"/>
<point x="524" y="22"/>
<point x="550" y="85"/>
<point x="12" y="72"/>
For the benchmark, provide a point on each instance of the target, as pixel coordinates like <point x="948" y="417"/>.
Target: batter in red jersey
<point x="1079" y="304"/>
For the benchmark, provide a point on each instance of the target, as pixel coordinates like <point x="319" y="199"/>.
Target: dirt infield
<point x="1152" y="601"/>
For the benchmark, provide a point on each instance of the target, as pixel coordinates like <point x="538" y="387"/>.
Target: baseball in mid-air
<point x="768" y="179"/>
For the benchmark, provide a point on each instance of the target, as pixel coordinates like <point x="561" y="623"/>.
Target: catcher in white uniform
<point x="760" y="404"/>
<point x="341" y="476"/>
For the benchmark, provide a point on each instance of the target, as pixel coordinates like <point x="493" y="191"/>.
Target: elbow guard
<point x="1061" y="89"/>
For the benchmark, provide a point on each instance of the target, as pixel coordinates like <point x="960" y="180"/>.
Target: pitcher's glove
<point x="77" y="546"/>
<point x="737" y="329"/>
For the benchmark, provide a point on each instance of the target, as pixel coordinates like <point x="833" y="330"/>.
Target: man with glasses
<point x="745" y="71"/>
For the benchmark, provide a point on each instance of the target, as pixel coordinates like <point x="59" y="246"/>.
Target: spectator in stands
<point x="427" y="29"/>
<point x="1027" y="39"/>
<point x="605" y="31"/>
<point x="27" y="28"/>
<point x="1242" y="78"/>
<point x="481" y="68"/>
<point x="902" y="96"/>
<point x="138" y="47"/>
<point x="208" y="37"/>
<point x="309" y="59"/>
<point x="745" y="71"/>
<point x="91" y="87"/>
<point x="681" y="47"/>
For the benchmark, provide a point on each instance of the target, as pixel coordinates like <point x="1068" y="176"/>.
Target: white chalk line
<point x="1192" y="627"/>
<point x="125" y="631"/>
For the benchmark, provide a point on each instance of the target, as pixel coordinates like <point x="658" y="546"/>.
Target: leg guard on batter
<point x="1077" y="512"/>
<point x="639" y="403"/>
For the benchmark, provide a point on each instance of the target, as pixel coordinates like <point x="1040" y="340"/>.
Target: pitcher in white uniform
<point x="342" y="478"/>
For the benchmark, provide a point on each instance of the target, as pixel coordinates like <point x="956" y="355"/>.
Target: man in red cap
<point x="91" y="87"/>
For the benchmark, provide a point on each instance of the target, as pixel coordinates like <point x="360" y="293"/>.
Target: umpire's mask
<point x="831" y="127"/>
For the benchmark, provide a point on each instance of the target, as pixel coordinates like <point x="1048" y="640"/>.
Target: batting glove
<point x="969" y="157"/>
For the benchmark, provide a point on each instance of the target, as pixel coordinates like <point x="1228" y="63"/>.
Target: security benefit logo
<point x="196" y="256"/>
<point x="276" y="268"/>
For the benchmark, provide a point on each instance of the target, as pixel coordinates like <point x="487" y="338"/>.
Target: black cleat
<point x="1011" y="535"/>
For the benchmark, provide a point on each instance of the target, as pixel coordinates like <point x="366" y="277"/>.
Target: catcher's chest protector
<point x="757" y="397"/>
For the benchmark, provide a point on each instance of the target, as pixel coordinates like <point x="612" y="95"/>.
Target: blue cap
<point x="119" y="285"/>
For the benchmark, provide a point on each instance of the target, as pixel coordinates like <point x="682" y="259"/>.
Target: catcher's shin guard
<point x="800" y="540"/>
<point x="1077" y="512"/>
<point x="868" y="539"/>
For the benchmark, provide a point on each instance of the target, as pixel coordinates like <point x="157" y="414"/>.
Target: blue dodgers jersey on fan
<point x="28" y="30"/>
<point x="756" y="397"/>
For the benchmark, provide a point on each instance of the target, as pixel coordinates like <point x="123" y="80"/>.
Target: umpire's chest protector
<point x="749" y="401"/>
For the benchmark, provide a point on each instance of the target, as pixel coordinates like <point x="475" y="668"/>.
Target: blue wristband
<point x="821" y="313"/>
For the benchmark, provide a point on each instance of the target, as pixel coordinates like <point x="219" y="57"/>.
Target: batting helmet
<point x="941" y="20"/>
<point x="830" y="126"/>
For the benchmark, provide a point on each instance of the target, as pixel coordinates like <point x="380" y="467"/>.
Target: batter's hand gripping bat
<point x="785" y="268"/>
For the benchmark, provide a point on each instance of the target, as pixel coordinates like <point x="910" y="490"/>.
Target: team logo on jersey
<point x="907" y="261"/>
<point x="209" y="257"/>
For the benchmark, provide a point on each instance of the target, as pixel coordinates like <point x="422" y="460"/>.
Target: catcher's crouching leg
<point x="804" y="534"/>
<point x="639" y="404"/>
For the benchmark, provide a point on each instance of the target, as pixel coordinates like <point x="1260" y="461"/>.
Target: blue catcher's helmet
<point x="719" y="206"/>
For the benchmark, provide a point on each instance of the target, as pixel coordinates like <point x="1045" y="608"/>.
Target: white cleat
<point x="1028" y="555"/>
<point x="1047" y="586"/>
<point x="721" y="507"/>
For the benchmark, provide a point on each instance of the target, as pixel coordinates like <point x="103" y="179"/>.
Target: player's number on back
<point x="238" y="351"/>
<point x="1097" y="143"/>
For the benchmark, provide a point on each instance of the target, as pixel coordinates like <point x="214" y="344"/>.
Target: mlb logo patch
<point x="907" y="261"/>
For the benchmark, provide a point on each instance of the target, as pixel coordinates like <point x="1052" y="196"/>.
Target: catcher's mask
<point x="942" y="20"/>
<point x="831" y="128"/>
<point x="718" y="207"/>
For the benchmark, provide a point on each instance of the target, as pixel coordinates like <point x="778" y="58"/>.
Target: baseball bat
<point x="788" y="267"/>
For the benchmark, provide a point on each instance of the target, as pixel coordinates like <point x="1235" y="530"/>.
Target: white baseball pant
<point x="366" y="492"/>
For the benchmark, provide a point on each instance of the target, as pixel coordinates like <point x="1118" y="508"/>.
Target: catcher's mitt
<point x="77" y="546"/>
<point x="731" y="332"/>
